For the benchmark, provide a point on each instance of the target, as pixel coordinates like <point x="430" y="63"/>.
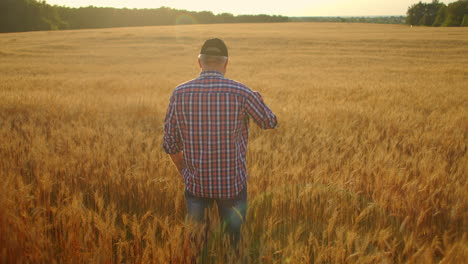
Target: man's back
<point x="208" y="119"/>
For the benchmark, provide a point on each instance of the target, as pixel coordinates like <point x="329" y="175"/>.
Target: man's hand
<point x="178" y="160"/>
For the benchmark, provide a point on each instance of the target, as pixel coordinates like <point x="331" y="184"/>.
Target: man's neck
<point x="222" y="71"/>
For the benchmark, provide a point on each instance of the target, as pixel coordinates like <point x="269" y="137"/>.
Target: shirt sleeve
<point x="259" y="111"/>
<point x="172" y="140"/>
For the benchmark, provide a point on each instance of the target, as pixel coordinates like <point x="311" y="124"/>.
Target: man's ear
<point x="199" y="64"/>
<point x="225" y="64"/>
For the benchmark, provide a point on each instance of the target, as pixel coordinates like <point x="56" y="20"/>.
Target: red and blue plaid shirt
<point x="208" y="119"/>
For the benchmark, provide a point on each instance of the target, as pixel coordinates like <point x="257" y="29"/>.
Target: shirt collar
<point x="205" y="74"/>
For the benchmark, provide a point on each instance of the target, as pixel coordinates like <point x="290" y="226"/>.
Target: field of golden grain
<point x="369" y="164"/>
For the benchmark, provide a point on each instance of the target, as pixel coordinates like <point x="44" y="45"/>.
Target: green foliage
<point x="456" y="12"/>
<point x="437" y="14"/>
<point x="415" y="14"/>
<point x="465" y="21"/>
<point x="441" y="16"/>
<point x="378" y="20"/>
<point x="28" y="15"/>
<point x="424" y="14"/>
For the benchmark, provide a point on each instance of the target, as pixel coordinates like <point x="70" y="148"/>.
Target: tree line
<point x="438" y="14"/>
<point x="31" y="15"/>
<point x="368" y="19"/>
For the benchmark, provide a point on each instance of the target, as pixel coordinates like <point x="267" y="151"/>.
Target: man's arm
<point x="172" y="140"/>
<point x="178" y="160"/>
<point x="260" y="112"/>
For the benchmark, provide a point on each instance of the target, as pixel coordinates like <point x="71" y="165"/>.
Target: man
<point x="206" y="132"/>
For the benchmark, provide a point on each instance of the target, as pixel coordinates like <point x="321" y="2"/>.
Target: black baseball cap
<point x="214" y="47"/>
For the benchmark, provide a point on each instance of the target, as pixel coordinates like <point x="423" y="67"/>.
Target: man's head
<point x="213" y="56"/>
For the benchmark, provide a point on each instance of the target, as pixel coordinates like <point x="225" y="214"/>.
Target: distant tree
<point x="205" y="17"/>
<point x="225" y="18"/>
<point x="456" y="12"/>
<point x="465" y="21"/>
<point x="441" y="16"/>
<point x="378" y="20"/>
<point x="437" y="14"/>
<point x="28" y="15"/>
<point x="430" y="12"/>
<point x="415" y="14"/>
<point x="423" y="14"/>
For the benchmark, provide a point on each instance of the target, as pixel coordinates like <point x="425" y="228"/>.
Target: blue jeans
<point x="231" y="211"/>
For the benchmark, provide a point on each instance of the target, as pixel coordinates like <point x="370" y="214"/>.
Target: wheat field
<point x="369" y="163"/>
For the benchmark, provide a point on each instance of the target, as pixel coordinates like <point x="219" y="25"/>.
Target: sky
<point x="271" y="7"/>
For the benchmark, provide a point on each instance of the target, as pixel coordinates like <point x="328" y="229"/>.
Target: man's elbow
<point x="271" y="124"/>
<point x="171" y="149"/>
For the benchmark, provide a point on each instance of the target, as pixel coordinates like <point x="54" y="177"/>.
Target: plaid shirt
<point x="208" y="119"/>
